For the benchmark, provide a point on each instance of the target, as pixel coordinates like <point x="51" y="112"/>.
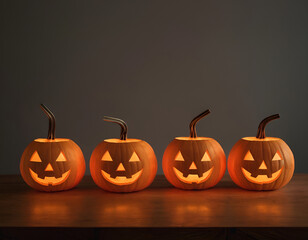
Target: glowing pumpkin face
<point x="121" y="170"/>
<point x="193" y="169"/>
<point x="53" y="172"/>
<point x="123" y="165"/>
<point x="261" y="163"/>
<point x="52" y="164"/>
<point x="194" y="162"/>
<point x="262" y="170"/>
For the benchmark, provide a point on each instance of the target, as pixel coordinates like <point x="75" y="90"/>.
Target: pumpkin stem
<point x="192" y="125"/>
<point x="52" y="122"/>
<point x="122" y="124"/>
<point x="265" y="121"/>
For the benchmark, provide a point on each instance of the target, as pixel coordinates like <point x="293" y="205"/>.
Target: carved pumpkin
<point x="52" y="164"/>
<point x="123" y="165"/>
<point x="261" y="163"/>
<point x="194" y="162"/>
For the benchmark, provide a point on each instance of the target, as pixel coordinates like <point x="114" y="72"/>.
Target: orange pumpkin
<point x="123" y="165"/>
<point x="52" y="164"/>
<point x="194" y="162"/>
<point x="261" y="163"/>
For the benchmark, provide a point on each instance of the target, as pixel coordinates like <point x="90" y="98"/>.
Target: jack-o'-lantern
<point x="261" y="163"/>
<point x="123" y="165"/>
<point x="194" y="162"/>
<point x="52" y="164"/>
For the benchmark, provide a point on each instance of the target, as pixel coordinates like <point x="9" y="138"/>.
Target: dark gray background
<point x="156" y="64"/>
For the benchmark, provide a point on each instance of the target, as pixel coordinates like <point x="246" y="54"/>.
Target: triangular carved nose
<point x="120" y="167"/>
<point x="193" y="166"/>
<point x="263" y="166"/>
<point x="49" y="168"/>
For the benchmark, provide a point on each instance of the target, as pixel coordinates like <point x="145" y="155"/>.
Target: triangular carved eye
<point x="277" y="157"/>
<point x="35" y="157"/>
<point x="249" y="157"/>
<point x="61" y="158"/>
<point x="179" y="157"/>
<point x="206" y="157"/>
<point x="134" y="158"/>
<point x="107" y="157"/>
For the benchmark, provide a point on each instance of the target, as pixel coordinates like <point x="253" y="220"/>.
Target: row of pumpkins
<point x="127" y="164"/>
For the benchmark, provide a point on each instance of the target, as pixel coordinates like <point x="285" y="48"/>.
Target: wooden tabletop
<point x="160" y="205"/>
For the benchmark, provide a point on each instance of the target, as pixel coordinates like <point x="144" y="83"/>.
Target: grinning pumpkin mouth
<point x="122" y="180"/>
<point x="262" y="179"/>
<point x="52" y="181"/>
<point x="193" y="178"/>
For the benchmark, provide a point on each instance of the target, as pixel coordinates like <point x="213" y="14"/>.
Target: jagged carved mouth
<point x="122" y="180"/>
<point x="193" y="178"/>
<point x="49" y="181"/>
<point x="262" y="179"/>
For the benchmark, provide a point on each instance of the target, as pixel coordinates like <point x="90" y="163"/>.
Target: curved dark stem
<point x="52" y="122"/>
<point x="192" y="125"/>
<point x="262" y="125"/>
<point x="122" y="124"/>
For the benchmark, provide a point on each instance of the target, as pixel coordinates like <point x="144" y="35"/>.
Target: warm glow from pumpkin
<point x="40" y="209"/>
<point x="192" y="139"/>
<point x="46" y="181"/>
<point x="260" y="140"/>
<point x="134" y="158"/>
<point x="107" y="157"/>
<point x="261" y="163"/>
<point x="121" y="180"/>
<point x="179" y="157"/>
<point x="124" y="164"/>
<point x="194" y="162"/>
<point x="49" y="168"/>
<point x="52" y="164"/>
<point x="35" y="157"/>
<point x="193" y="178"/>
<point x="61" y="158"/>
<point x="128" y="140"/>
<point x="206" y="157"/>
<point x="45" y="140"/>
<point x="262" y="179"/>
<point x="192" y="166"/>
<point x="277" y="157"/>
<point x="249" y="157"/>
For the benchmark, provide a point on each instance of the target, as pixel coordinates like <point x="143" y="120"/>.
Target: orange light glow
<point x="49" y="168"/>
<point x="128" y="140"/>
<point x="249" y="157"/>
<point x="277" y="157"/>
<point x="260" y="139"/>
<point x="35" y="157"/>
<point x="193" y="166"/>
<point x="122" y="180"/>
<point x="193" y="178"/>
<point x="45" y="140"/>
<point x="192" y="139"/>
<point x="179" y="157"/>
<point x="206" y="157"/>
<point x="262" y="179"/>
<point x="107" y="157"/>
<point x="134" y="158"/>
<point x="120" y="167"/>
<point x="61" y="158"/>
<point x="46" y="181"/>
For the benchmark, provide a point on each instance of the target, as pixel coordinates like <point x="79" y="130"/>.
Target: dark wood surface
<point x="160" y="206"/>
